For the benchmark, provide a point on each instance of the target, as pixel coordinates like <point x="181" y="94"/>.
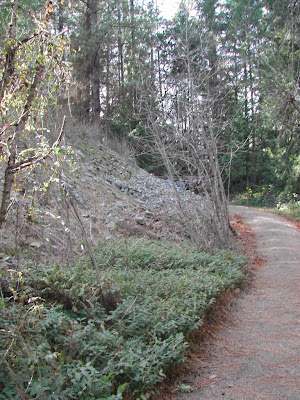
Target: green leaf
<point x="122" y="387"/>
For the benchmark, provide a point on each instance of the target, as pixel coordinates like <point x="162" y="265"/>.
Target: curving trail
<point x="257" y="355"/>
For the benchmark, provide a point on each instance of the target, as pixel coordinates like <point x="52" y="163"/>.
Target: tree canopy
<point x="229" y="65"/>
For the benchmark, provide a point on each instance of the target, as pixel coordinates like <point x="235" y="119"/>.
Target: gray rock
<point x="111" y="225"/>
<point x="120" y="204"/>
<point x="120" y="184"/>
<point x="80" y="154"/>
<point x="140" y="220"/>
<point x="79" y="199"/>
<point x="36" y="245"/>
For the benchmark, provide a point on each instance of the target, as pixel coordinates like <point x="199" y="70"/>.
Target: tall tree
<point x="280" y="69"/>
<point x="185" y="130"/>
<point x="32" y="71"/>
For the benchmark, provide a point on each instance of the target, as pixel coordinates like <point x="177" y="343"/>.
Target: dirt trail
<point x="257" y="355"/>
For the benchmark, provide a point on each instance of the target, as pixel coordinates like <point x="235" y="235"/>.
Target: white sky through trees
<point x="168" y="8"/>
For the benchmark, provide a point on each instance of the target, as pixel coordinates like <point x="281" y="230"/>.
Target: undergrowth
<point x="284" y="203"/>
<point x="291" y="210"/>
<point x="65" y="337"/>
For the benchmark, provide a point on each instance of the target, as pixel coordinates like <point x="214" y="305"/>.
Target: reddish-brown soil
<point x="256" y="353"/>
<point x="248" y="240"/>
<point x="294" y="222"/>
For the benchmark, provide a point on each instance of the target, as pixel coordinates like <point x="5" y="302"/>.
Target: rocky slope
<point x="111" y="196"/>
<point x="124" y="199"/>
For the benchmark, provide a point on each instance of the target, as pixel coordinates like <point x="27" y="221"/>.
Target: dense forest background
<point x="225" y="69"/>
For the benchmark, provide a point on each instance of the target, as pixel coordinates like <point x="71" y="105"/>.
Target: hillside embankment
<point x="113" y="198"/>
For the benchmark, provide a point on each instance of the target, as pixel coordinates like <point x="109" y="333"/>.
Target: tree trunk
<point x="91" y="75"/>
<point x="107" y="113"/>
<point x="247" y="179"/>
<point x="121" y="59"/>
<point x="10" y="52"/>
<point x="95" y="62"/>
<point x="11" y="164"/>
<point x="7" y="186"/>
<point x="132" y="72"/>
<point x="60" y="17"/>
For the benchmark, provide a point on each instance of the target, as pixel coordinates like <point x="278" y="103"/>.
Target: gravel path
<point x="257" y="355"/>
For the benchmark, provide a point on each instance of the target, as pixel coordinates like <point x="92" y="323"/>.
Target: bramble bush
<point x="59" y="340"/>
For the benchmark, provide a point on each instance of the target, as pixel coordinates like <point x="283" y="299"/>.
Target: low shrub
<point x="59" y="341"/>
<point x="258" y="196"/>
<point x="285" y="203"/>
